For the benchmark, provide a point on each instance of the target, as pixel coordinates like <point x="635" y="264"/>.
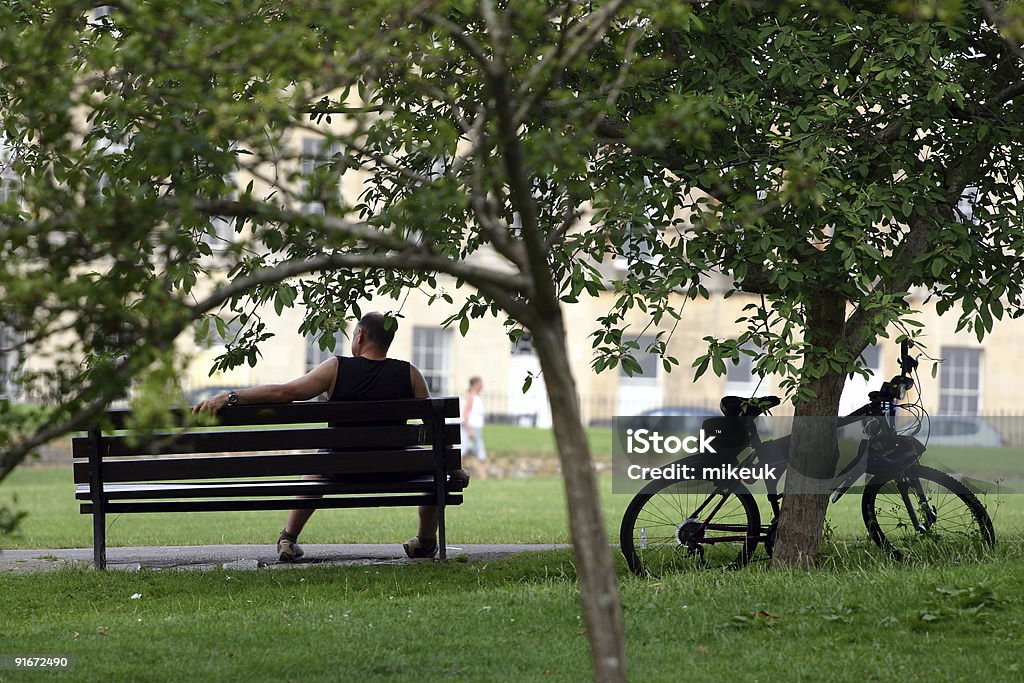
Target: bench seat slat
<point x="267" y="465"/>
<point x="376" y="438"/>
<point x="294" y="487"/>
<point x="408" y="500"/>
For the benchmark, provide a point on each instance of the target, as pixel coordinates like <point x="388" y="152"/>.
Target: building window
<point x="872" y="357"/>
<point x="315" y="355"/>
<point x="649" y="362"/>
<point x="315" y="162"/>
<point x="221" y="234"/>
<point x="10" y="183"/>
<point x="8" y="361"/>
<point x="960" y="381"/>
<point x="743" y="371"/>
<point x="217" y="335"/>
<point x="640" y="239"/>
<point x="523" y="346"/>
<point x="431" y="352"/>
<point x="742" y="379"/>
<point x="970" y="198"/>
<point x="104" y="184"/>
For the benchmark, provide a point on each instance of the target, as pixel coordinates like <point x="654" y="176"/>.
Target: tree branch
<point x="474" y="48"/>
<point x="1007" y="94"/>
<point x="993" y="16"/>
<point x="508" y="290"/>
<point x="576" y="39"/>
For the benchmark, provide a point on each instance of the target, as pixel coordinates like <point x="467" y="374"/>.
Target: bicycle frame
<point x="882" y="405"/>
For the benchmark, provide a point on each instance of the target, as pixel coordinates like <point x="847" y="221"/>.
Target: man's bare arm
<point x="419" y="385"/>
<point x="317" y="381"/>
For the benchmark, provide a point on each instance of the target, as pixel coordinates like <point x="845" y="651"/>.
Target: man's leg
<point x="297" y="520"/>
<point x="287" y="547"/>
<point x="424" y="543"/>
<point x="428" y="523"/>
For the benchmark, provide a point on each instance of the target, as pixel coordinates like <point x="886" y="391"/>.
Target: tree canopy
<point x="847" y="157"/>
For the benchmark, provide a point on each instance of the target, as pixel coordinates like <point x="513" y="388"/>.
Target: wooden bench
<point x="244" y="463"/>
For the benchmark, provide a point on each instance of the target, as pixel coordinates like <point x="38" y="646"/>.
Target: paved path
<point x="243" y="557"/>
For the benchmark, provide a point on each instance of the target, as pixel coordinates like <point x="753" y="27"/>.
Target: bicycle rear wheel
<point x="673" y="526"/>
<point x="923" y="512"/>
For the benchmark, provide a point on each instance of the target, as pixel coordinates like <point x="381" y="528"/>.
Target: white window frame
<point x="643" y="234"/>
<point x="431" y="353"/>
<point x="223" y="226"/>
<point x="315" y="355"/>
<point x="316" y="152"/>
<point x="9" y="358"/>
<point x="10" y="181"/>
<point x="956" y="394"/>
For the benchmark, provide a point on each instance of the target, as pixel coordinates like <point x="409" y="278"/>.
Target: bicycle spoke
<point x="662" y="531"/>
<point x="926" y="512"/>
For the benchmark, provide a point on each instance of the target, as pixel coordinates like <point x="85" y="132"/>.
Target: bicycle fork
<point x="925" y="505"/>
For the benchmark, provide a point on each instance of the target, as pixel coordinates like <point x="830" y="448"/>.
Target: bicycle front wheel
<point x="923" y="512"/>
<point x="673" y="526"/>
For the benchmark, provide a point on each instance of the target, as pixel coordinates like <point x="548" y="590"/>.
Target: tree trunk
<point x="813" y="451"/>
<point x="599" y="594"/>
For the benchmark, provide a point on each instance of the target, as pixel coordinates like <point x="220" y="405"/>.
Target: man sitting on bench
<point x="368" y="375"/>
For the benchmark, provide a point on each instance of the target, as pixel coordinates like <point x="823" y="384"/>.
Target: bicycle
<point x="906" y="507"/>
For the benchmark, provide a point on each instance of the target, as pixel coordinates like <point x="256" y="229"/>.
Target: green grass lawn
<point x="513" y="441"/>
<point x="860" y="617"/>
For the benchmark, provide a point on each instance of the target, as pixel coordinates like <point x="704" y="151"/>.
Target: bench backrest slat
<point x="311" y="438"/>
<point x="316" y="411"/>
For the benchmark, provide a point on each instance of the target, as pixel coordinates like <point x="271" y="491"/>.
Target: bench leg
<point x="442" y="543"/>
<point x="99" y="538"/>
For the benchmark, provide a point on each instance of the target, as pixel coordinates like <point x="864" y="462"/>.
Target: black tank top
<point x="362" y="379"/>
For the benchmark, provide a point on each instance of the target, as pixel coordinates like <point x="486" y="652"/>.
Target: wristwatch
<point x="232" y="398"/>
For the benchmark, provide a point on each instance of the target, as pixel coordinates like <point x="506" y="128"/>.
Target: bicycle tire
<point x="658" y="533"/>
<point x="956" y="524"/>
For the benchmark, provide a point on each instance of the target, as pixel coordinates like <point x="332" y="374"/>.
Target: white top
<point x="475" y="419"/>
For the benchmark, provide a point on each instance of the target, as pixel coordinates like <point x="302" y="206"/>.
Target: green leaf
<point x="997" y="309"/>
<point x="702" y="367"/>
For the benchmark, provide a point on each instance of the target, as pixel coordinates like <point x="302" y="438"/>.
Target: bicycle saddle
<point x="738" y="406"/>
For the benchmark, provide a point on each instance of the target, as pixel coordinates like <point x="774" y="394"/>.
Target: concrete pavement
<point x="244" y="557"/>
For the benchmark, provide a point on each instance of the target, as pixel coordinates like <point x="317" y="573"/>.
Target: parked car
<point x="682" y="418"/>
<point x="649" y="418"/>
<point x="961" y="430"/>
